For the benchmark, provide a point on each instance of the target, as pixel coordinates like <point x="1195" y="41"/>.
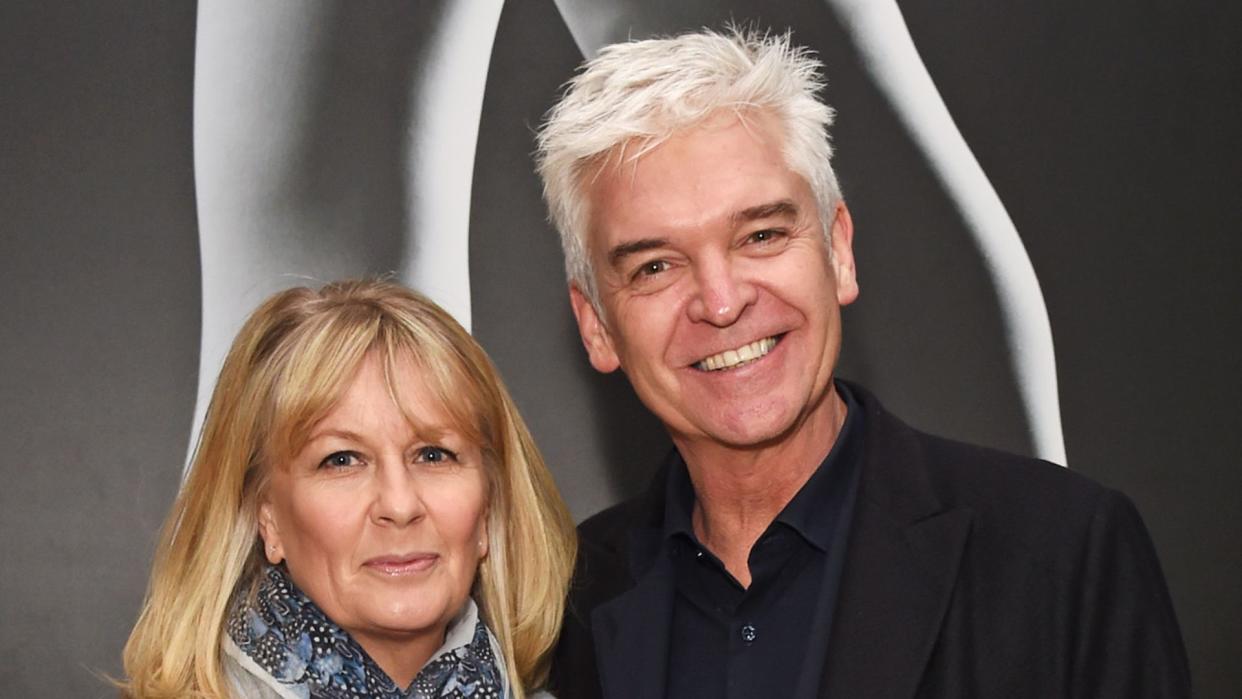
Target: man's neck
<point x="739" y="492"/>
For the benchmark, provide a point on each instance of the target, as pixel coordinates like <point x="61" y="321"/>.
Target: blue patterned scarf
<point x="287" y="635"/>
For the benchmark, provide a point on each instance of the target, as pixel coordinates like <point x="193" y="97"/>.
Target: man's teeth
<point x="737" y="357"/>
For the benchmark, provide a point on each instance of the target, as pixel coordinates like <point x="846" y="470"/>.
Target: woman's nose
<point x="398" y="497"/>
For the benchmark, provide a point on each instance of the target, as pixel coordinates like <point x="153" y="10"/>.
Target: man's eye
<point x="764" y="236"/>
<point x="435" y="455"/>
<point x="650" y="269"/>
<point x="340" y="459"/>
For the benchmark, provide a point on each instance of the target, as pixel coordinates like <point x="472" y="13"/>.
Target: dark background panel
<point x="1110" y="131"/>
<point x="99" y="298"/>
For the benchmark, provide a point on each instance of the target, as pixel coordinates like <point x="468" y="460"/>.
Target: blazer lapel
<point x="900" y="569"/>
<point x="896" y="588"/>
<point x="631" y="631"/>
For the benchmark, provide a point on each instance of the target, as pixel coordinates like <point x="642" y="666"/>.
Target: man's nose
<point x="398" y="498"/>
<point x="722" y="294"/>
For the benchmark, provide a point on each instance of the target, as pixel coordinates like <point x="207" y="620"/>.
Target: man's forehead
<point x="622" y="212"/>
<point x="718" y="173"/>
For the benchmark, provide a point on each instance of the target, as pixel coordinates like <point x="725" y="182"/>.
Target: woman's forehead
<point x="427" y="397"/>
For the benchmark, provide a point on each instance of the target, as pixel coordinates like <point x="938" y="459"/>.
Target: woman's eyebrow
<point x="333" y="432"/>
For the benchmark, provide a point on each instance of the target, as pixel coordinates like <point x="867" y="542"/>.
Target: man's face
<point x="720" y="298"/>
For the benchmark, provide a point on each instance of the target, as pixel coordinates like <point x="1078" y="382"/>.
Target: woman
<point x="366" y="515"/>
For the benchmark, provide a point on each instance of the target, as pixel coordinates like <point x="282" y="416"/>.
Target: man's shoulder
<point x="603" y="568"/>
<point x="1018" y="500"/>
<point x="979" y="476"/>
<point x="960" y="472"/>
<point x="1024" y="558"/>
<point x="1021" y="507"/>
<point x="609" y="528"/>
<point x="601" y="573"/>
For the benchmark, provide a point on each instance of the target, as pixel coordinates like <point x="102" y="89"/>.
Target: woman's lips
<point x="403" y="565"/>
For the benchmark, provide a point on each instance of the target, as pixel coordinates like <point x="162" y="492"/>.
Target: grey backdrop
<point x="1110" y="131"/>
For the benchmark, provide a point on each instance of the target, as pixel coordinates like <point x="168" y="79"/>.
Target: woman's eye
<point x="435" y="455"/>
<point x="339" y="459"/>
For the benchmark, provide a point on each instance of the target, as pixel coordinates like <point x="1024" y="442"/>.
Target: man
<point x="801" y="542"/>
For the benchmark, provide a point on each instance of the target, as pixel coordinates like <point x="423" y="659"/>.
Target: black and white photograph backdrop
<point x="1048" y="241"/>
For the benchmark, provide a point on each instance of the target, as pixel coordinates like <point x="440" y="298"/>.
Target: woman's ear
<point x="483" y="540"/>
<point x="273" y="548"/>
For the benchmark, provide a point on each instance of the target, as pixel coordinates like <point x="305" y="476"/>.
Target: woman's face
<point x="381" y="529"/>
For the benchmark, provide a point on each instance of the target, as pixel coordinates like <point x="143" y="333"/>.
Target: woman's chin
<point x="398" y="617"/>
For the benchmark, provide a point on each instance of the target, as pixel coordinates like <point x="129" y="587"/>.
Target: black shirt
<point x="768" y="640"/>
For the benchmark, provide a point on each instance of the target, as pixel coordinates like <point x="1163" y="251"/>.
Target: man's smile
<point x="738" y="356"/>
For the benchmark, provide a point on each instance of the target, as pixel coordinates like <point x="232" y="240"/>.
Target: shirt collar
<point x="804" y="513"/>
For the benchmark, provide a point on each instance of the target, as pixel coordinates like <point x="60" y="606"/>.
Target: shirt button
<point x="749" y="634"/>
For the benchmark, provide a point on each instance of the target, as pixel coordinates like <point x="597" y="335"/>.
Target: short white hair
<point x="640" y="93"/>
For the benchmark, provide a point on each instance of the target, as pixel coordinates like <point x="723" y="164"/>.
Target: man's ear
<point x="843" y="255"/>
<point x="594" y="334"/>
<point x="273" y="547"/>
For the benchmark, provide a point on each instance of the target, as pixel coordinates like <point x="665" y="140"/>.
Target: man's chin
<point x="750" y="429"/>
<point x="768" y="424"/>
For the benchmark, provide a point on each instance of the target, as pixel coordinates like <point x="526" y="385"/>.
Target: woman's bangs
<point x="319" y="367"/>
<point x="444" y="376"/>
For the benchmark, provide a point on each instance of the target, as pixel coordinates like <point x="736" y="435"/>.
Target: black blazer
<point x="968" y="573"/>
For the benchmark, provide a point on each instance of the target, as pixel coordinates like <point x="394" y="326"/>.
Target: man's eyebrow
<point x="782" y="207"/>
<point x="634" y="247"/>
<point x="772" y="209"/>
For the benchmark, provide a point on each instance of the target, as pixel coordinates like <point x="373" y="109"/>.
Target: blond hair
<point x="635" y="95"/>
<point x="293" y="359"/>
